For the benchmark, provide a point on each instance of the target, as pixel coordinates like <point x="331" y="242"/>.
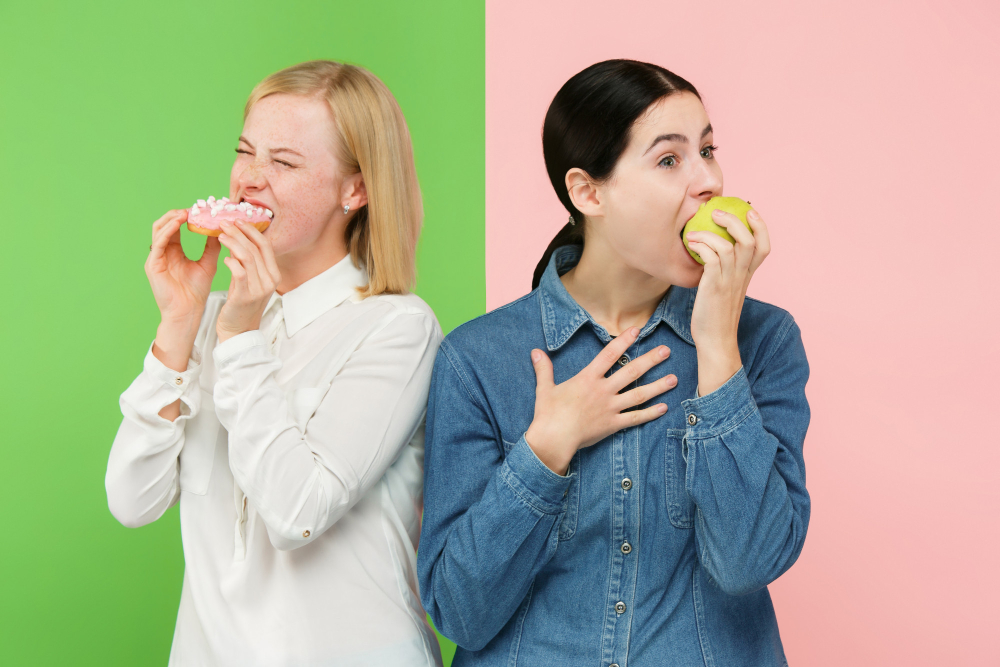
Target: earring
<point x="347" y="209"/>
<point x="572" y="220"/>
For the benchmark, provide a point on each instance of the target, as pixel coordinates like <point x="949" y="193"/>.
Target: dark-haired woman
<point x="614" y="467"/>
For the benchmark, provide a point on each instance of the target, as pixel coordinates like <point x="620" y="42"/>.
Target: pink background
<point x="866" y="134"/>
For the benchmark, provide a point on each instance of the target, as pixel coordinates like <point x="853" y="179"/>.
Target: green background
<point x="111" y="114"/>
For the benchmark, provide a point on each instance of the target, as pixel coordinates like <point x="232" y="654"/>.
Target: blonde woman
<point x="286" y="415"/>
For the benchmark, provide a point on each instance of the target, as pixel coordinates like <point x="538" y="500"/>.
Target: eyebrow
<point x="679" y="138"/>
<point x="275" y="150"/>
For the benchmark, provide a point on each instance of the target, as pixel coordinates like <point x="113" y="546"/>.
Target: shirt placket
<point x="625" y="538"/>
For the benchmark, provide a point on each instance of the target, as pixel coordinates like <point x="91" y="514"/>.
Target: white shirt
<point x="297" y="460"/>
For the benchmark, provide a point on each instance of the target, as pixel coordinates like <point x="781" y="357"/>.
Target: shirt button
<point x="626" y="484"/>
<point x="626" y="548"/>
<point x="624" y="360"/>
<point x="613" y="664"/>
<point x="306" y="533"/>
<point x="179" y="381"/>
<point x="620" y="607"/>
<point x="692" y="419"/>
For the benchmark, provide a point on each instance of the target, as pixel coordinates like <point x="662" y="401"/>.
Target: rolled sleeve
<point x="533" y="481"/>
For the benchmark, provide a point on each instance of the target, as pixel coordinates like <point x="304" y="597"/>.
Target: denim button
<point x="620" y="607"/>
<point x="626" y="548"/>
<point x="626" y="484"/>
<point x="692" y="420"/>
<point x="624" y="360"/>
<point x="613" y="664"/>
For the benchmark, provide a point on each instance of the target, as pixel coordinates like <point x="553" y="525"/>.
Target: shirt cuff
<point x="240" y="343"/>
<point x="532" y="480"/>
<point x="722" y="410"/>
<point x="179" y="382"/>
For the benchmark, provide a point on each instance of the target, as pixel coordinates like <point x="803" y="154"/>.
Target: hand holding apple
<point x="702" y="219"/>
<point x="729" y="266"/>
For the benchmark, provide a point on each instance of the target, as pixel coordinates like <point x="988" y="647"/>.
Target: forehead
<point x="292" y="121"/>
<point x="681" y="113"/>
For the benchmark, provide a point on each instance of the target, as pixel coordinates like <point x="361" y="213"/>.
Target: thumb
<point x="210" y="257"/>
<point x="543" y="369"/>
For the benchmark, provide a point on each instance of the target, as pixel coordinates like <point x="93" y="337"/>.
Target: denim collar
<point x="562" y="316"/>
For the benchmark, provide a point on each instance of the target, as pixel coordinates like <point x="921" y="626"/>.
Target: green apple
<point x="702" y="219"/>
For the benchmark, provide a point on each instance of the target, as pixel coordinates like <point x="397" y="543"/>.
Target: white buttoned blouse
<point x="297" y="461"/>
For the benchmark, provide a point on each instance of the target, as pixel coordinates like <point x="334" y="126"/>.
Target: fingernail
<point x="661" y="408"/>
<point x="753" y="214"/>
<point x="535" y="356"/>
<point x="664" y="352"/>
<point x="634" y="331"/>
<point x="718" y="213"/>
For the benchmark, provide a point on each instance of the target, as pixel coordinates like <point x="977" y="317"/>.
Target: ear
<point x="353" y="191"/>
<point x="584" y="193"/>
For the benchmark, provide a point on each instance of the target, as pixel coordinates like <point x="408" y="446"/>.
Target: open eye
<point x="708" y="152"/>
<point x="668" y="161"/>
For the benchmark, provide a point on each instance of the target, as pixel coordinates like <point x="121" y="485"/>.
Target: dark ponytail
<point x="588" y="126"/>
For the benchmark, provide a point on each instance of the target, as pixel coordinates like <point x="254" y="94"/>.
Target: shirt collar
<point x="302" y="305"/>
<point x="562" y="316"/>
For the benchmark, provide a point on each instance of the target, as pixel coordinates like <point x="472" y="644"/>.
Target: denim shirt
<point x="657" y="545"/>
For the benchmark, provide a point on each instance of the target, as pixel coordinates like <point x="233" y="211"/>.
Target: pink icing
<point x="200" y="214"/>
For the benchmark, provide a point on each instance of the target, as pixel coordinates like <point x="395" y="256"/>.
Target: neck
<point x="302" y="264"/>
<point x="616" y="295"/>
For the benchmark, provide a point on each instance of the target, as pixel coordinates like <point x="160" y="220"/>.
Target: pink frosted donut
<point x="204" y="217"/>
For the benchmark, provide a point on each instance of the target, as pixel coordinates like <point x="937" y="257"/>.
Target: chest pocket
<point x="680" y="507"/>
<point x="197" y="457"/>
<point x="571" y="501"/>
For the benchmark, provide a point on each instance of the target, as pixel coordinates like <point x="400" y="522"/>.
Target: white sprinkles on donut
<point x="205" y="216"/>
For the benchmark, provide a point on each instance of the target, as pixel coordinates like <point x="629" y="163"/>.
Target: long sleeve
<point x="490" y="522"/>
<point x="302" y="472"/>
<point x="745" y="468"/>
<point x="142" y="479"/>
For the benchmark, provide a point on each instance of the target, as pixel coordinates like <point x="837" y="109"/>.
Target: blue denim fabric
<point x="521" y="566"/>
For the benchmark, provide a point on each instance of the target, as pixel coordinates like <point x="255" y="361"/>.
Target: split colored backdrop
<point x="864" y="132"/>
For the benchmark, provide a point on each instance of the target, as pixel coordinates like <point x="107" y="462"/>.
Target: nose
<point x="707" y="182"/>
<point x="252" y="177"/>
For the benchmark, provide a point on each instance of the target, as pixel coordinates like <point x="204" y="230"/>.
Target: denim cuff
<point x="532" y="480"/>
<point x="722" y="410"/>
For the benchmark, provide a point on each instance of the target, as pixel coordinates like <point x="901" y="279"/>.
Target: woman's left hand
<point x="255" y="276"/>
<point x="723" y="287"/>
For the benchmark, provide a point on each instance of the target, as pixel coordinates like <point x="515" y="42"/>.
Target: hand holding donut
<point x="721" y="292"/>
<point x="180" y="287"/>
<point x="255" y="277"/>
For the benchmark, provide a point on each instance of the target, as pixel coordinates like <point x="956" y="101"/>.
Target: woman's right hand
<point x="180" y="287"/>
<point x="588" y="407"/>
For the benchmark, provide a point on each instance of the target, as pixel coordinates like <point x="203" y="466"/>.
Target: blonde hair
<point x="372" y="138"/>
